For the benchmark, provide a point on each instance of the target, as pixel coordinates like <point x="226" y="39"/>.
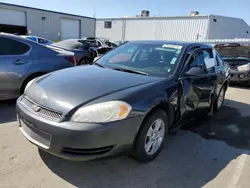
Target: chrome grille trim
<point x="41" y="111"/>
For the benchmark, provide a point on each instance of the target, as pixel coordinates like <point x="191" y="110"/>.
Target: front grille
<point x="95" y="151"/>
<point x="37" y="109"/>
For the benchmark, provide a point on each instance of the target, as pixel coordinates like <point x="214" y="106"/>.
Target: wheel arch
<point x="166" y="107"/>
<point x="28" y="78"/>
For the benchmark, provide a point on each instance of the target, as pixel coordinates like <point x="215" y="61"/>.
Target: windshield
<point x="234" y="51"/>
<point x="154" y="59"/>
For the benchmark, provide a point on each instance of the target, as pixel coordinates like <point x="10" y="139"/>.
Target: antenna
<point x="94" y="12"/>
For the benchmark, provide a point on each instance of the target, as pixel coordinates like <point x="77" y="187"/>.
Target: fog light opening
<point x="242" y="76"/>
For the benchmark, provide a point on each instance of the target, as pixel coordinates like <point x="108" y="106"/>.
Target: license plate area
<point x="34" y="135"/>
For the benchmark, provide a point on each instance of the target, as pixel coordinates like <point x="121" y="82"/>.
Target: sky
<point x="120" y="8"/>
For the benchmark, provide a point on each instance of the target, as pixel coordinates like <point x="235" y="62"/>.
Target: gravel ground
<point x="212" y="152"/>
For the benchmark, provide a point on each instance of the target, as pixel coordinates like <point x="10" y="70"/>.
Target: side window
<point x="12" y="47"/>
<point x="42" y="41"/>
<point x="203" y="59"/>
<point x="99" y="44"/>
<point x="197" y="60"/>
<point x="219" y="60"/>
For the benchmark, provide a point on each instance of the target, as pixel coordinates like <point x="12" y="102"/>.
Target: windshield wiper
<point x="130" y="71"/>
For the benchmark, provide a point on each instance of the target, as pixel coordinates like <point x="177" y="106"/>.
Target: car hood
<point x="231" y="51"/>
<point x="66" y="89"/>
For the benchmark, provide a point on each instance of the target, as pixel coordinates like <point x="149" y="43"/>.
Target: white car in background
<point x="38" y="39"/>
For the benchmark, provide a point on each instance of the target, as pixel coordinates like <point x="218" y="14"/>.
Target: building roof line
<point x="166" y="17"/>
<point x="21" y="6"/>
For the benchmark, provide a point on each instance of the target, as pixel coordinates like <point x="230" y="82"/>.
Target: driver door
<point x="197" y="90"/>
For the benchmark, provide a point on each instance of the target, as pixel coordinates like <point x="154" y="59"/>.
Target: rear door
<point x="14" y="63"/>
<point x="221" y="71"/>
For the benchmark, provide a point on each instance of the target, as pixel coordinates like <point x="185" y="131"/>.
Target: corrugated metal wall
<point x="189" y="28"/>
<point x="183" y="29"/>
<point x="167" y="28"/>
<point x="113" y="34"/>
<point x="227" y="28"/>
<point x="50" y="28"/>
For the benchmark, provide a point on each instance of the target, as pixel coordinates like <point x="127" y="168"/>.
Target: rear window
<point x="12" y="47"/>
<point x="70" y="44"/>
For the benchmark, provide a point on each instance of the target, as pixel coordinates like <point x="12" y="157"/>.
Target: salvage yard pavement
<point x="208" y="152"/>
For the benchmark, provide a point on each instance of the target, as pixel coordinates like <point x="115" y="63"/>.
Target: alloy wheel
<point x="154" y="137"/>
<point x="220" y="98"/>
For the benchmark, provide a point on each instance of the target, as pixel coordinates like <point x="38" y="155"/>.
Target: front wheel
<point x="151" y="137"/>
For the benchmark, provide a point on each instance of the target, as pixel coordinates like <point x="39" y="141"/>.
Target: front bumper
<point x="240" y="77"/>
<point x="77" y="141"/>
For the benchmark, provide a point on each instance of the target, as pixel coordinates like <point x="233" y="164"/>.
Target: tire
<point x="220" y="100"/>
<point x="84" y="61"/>
<point x="144" y="140"/>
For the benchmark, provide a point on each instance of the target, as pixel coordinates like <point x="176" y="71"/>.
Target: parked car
<point x="84" y="54"/>
<point x="119" y="43"/>
<point x="127" y="101"/>
<point x="102" y="46"/>
<point x="22" y="60"/>
<point x="38" y="39"/>
<point x="237" y="56"/>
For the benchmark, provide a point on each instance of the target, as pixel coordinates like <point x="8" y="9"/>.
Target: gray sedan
<point x="22" y="60"/>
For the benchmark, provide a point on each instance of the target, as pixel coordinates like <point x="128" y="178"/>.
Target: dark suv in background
<point x="237" y="57"/>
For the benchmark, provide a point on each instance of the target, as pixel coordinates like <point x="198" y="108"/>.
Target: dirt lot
<point x="210" y="152"/>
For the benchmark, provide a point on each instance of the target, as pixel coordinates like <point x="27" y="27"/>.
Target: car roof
<point x="8" y="35"/>
<point x="181" y="43"/>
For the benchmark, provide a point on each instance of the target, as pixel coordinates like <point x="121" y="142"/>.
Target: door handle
<point x="19" y="62"/>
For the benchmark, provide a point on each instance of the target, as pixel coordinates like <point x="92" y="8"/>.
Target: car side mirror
<point x="195" y="71"/>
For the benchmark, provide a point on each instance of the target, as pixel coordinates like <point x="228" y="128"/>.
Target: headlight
<point x="102" y="112"/>
<point x="244" y="67"/>
<point x="28" y="84"/>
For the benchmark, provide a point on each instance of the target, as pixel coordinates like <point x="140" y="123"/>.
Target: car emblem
<point x="36" y="108"/>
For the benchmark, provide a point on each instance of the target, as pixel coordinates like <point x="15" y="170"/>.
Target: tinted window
<point x="42" y="41"/>
<point x="156" y="59"/>
<point x="12" y="47"/>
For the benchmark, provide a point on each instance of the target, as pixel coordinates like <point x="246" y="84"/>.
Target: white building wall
<point x="114" y="33"/>
<point x="188" y="28"/>
<point x="182" y="29"/>
<point x="51" y="27"/>
<point x="221" y="27"/>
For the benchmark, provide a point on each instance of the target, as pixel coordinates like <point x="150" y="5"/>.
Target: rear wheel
<point x="84" y="61"/>
<point x="151" y="137"/>
<point x="220" y="100"/>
